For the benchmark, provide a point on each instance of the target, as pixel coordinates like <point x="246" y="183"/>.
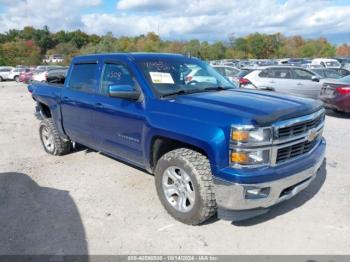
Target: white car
<point x="40" y="76"/>
<point x="326" y="62"/>
<point x="286" y="79"/>
<point x="41" y="72"/>
<point x="14" y="73"/>
<point x="5" y="72"/>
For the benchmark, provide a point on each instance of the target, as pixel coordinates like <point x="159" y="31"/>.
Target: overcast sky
<point x="186" y="19"/>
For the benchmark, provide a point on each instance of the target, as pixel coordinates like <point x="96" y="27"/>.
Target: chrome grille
<point x="292" y="151"/>
<point x="298" y="136"/>
<point x="299" y="128"/>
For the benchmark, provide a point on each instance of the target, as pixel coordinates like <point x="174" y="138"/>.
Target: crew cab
<point x="212" y="147"/>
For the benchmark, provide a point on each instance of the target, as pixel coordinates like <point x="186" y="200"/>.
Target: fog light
<point x="257" y="193"/>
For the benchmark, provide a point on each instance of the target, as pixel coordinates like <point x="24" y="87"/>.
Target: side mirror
<point x="123" y="91"/>
<point x="315" y="79"/>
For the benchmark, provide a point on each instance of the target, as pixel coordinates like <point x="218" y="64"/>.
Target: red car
<point x="336" y="94"/>
<point x="26" y="75"/>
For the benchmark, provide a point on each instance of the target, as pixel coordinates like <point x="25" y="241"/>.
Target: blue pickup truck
<point x="213" y="148"/>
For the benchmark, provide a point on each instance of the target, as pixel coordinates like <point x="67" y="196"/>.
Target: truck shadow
<point x="292" y="203"/>
<point x="37" y="220"/>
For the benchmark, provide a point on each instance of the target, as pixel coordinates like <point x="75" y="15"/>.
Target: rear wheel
<point x="50" y="139"/>
<point x="1" y="79"/>
<point x="184" y="185"/>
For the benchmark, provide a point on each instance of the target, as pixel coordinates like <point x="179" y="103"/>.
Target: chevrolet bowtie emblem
<point x="311" y="135"/>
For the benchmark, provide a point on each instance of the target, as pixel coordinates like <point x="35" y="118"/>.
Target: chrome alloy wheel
<point x="47" y="139"/>
<point x="178" y="189"/>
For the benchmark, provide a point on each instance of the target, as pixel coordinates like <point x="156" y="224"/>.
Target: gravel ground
<point x="87" y="203"/>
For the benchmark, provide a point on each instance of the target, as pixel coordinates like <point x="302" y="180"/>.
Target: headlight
<point x="250" y="157"/>
<point x="241" y="135"/>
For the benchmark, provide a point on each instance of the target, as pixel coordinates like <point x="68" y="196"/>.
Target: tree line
<point x="29" y="45"/>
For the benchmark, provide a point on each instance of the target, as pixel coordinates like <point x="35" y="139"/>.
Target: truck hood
<point x="240" y="106"/>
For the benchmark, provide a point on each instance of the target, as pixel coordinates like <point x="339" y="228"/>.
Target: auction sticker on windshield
<point x="161" y="78"/>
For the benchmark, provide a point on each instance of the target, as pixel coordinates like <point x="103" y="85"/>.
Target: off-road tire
<point x="60" y="146"/>
<point x="197" y="166"/>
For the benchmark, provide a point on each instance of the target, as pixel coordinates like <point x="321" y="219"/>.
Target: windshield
<point x="180" y="76"/>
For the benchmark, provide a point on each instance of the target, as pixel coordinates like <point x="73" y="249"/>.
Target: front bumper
<point x="232" y="196"/>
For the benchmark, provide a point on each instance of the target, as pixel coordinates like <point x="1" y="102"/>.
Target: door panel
<point x="278" y="79"/>
<point x="304" y="86"/>
<point x="118" y="123"/>
<point x="77" y="104"/>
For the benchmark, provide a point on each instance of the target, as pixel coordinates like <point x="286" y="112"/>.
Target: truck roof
<point x="130" y="56"/>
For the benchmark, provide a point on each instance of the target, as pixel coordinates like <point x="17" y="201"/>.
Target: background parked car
<point x="4" y="73"/>
<point x="227" y="71"/>
<point x="312" y="66"/>
<point x="343" y="61"/>
<point x="26" y="75"/>
<point x="40" y="74"/>
<point x="14" y="73"/>
<point x="334" y="73"/>
<point x="239" y="79"/>
<point x="57" y="76"/>
<point x="287" y="79"/>
<point x="336" y="94"/>
<point x="326" y="62"/>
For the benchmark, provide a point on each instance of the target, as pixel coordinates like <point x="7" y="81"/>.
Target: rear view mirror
<point x="123" y="91"/>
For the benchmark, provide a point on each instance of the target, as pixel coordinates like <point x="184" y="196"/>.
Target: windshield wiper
<point x="192" y="91"/>
<point x="217" y="88"/>
<point x="178" y="92"/>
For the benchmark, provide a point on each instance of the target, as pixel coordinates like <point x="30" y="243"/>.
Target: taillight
<point x="46" y="76"/>
<point x="344" y="90"/>
<point x="244" y="81"/>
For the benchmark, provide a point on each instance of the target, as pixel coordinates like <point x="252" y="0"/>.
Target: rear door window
<point x="282" y="73"/>
<point x="83" y="78"/>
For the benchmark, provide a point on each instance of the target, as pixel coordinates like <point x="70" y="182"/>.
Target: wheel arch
<point x="44" y="110"/>
<point x="160" y="145"/>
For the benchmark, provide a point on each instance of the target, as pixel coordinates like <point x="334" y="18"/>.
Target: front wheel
<point x="51" y="140"/>
<point x="16" y="78"/>
<point x="184" y="185"/>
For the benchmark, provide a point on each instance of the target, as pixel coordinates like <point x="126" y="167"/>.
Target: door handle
<point x="272" y="82"/>
<point x="299" y="84"/>
<point x="65" y="98"/>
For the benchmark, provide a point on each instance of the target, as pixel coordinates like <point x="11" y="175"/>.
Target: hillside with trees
<point x="29" y="45"/>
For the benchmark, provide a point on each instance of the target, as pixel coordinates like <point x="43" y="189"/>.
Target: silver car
<point x="285" y="79"/>
<point x="5" y="72"/>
